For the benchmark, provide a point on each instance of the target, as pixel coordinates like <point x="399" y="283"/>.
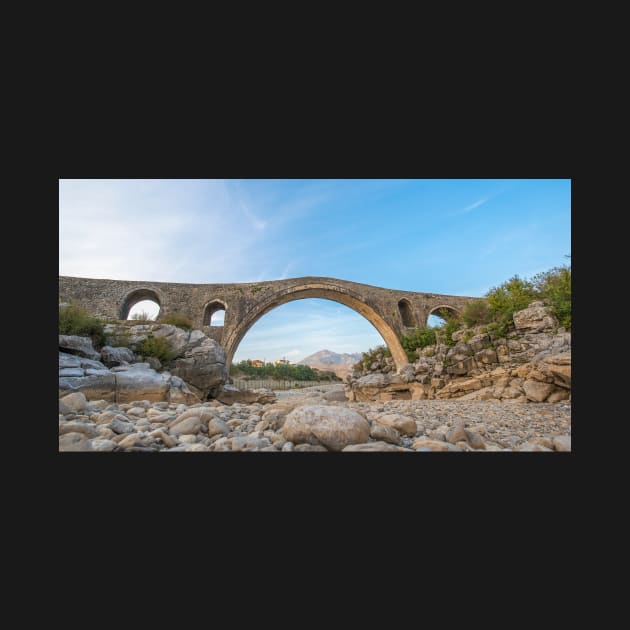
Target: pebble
<point x="441" y="425"/>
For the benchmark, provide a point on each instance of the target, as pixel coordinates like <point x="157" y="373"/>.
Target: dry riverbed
<point x="313" y="419"/>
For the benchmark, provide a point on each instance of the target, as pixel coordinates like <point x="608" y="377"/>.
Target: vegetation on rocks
<point x="500" y="303"/>
<point x="157" y="347"/>
<point x="74" y="320"/>
<point x="181" y="321"/>
<point x="494" y="313"/>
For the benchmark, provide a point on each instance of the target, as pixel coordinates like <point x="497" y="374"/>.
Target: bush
<point x="419" y="338"/>
<point x="447" y="331"/>
<point x="74" y="320"/>
<point x="554" y="287"/>
<point x="477" y="313"/>
<point x="367" y="358"/>
<point x="181" y="321"/>
<point x="513" y="295"/>
<point x="157" y="347"/>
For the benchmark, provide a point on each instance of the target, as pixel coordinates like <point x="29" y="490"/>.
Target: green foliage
<point x="282" y="372"/>
<point x="513" y="295"/>
<point x="181" y="321"/>
<point x="120" y="340"/>
<point x="554" y="287"/>
<point x="446" y="331"/>
<point x="157" y="347"/>
<point x="377" y="354"/>
<point x="419" y="338"/>
<point x="498" y="329"/>
<point x="74" y="320"/>
<point x="476" y="313"/>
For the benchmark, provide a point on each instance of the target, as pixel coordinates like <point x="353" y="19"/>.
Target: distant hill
<point x="340" y="364"/>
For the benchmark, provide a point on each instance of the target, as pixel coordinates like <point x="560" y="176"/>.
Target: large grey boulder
<point x="94" y="387"/>
<point x="331" y="427"/>
<point x="81" y="346"/>
<point x="202" y="367"/>
<point x="141" y="383"/>
<point x="112" y="356"/>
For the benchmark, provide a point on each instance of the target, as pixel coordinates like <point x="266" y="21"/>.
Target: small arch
<point x="406" y="313"/>
<point x="139" y="295"/>
<point x="442" y="312"/>
<point x="214" y="313"/>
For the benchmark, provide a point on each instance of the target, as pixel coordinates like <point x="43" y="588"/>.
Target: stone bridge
<point x="390" y="311"/>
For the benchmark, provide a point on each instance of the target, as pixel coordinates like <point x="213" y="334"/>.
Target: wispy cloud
<point x="473" y="206"/>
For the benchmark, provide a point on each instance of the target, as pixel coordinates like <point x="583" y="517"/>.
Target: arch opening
<point x="139" y="303"/>
<point x="325" y="292"/>
<point x="441" y="315"/>
<point x="214" y="313"/>
<point x="406" y="313"/>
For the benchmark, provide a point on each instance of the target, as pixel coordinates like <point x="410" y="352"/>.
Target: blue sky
<point x="458" y="237"/>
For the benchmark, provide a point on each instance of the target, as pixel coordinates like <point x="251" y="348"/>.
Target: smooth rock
<point x="74" y="442"/>
<point x="81" y="346"/>
<point x="562" y="443"/>
<point x="384" y="433"/>
<point x="402" y="424"/>
<point x="331" y="427"/>
<point x="75" y="402"/>
<point x="374" y="446"/>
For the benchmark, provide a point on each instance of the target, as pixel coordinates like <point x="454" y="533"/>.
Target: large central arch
<point x="324" y="291"/>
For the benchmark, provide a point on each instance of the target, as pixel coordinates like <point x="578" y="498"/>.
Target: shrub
<point x="476" y="313"/>
<point x="447" y="331"/>
<point x="554" y="287"/>
<point x="142" y="316"/>
<point x="157" y="347"/>
<point x="419" y="338"/>
<point x="74" y="320"/>
<point x="513" y="295"/>
<point x="181" y="321"/>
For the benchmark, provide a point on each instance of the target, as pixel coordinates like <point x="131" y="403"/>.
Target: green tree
<point x="513" y="295"/>
<point x="554" y="287"/>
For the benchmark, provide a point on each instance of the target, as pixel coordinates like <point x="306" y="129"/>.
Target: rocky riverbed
<point x="313" y="419"/>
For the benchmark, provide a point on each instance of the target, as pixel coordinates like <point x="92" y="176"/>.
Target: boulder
<point x="202" y="366"/>
<point x="331" y="427"/>
<point x="80" y="346"/>
<point x="371" y="447"/>
<point x="140" y="382"/>
<point x="537" y="391"/>
<point x="74" y="442"/>
<point x="96" y="386"/>
<point x="562" y="443"/>
<point x="74" y="402"/>
<point x="68" y="360"/>
<point x="112" y="356"/>
<point x="402" y="424"/>
<point x="534" y="318"/>
<point x="384" y="433"/>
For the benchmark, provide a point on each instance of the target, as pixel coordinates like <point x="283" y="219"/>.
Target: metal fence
<point x="279" y="385"/>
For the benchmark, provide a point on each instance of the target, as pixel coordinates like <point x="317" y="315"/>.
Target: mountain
<point x="340" y="364"/>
